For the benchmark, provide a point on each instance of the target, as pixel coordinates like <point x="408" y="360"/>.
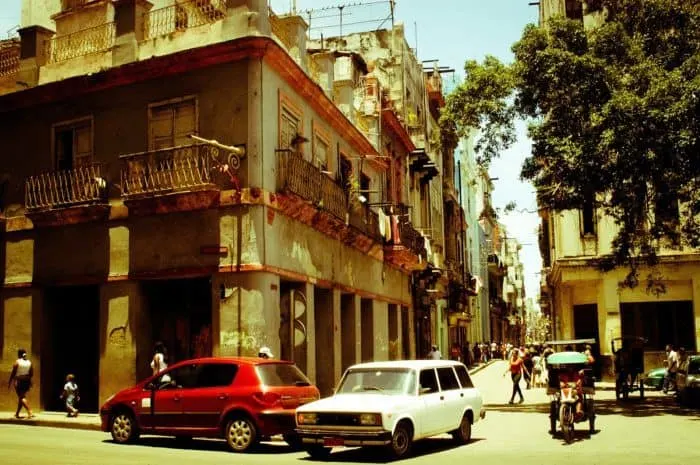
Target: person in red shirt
<point x="516" y="367"/>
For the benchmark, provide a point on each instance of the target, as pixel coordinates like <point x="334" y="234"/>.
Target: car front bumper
<point x="340" y="437"/>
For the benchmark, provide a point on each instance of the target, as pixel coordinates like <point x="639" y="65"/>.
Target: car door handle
<point x="461" y="394"/>
<point x="176" y="399"/>
<point x="223" y="396"/>
<point x="442" y="397"/>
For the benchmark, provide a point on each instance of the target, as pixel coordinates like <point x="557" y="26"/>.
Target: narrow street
<point x="652" y="431"/>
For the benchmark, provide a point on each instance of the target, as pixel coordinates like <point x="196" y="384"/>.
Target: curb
<point x="47" y="422"/>
<point x="482" y="366"/>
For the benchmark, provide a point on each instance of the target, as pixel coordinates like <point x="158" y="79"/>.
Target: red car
<point x="243" y="400"/>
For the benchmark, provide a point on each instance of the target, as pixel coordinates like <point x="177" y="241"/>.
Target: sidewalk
<point x="89" y="421"/>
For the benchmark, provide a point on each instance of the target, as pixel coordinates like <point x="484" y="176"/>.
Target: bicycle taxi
<point x="571" y="389"/>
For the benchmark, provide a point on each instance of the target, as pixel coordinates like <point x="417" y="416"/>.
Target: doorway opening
<point x="72" y="345"/>
<point x="181" y="316"/>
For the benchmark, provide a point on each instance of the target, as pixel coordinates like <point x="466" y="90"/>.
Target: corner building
<point x="120" y="229"/>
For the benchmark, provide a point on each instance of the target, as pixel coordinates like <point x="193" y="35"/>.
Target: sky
<point x="451" y="31"/>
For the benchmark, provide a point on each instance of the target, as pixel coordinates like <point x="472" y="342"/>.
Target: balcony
<point x="181" y="16"/>
<point x="66" y="197"/>
<point x="80" y="43"/>
<point x="171" y="179"/>
<point x="408" y="251"/>
<point x="9" y="57"/>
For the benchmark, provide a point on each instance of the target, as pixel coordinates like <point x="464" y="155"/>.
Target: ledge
<point x="69" y="215"/>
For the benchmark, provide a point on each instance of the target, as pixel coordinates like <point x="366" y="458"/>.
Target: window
<point x="321" y="148"/>
<point x="216" y="375"/>
<point x="346" y="173"/>
<point x="448" y="380"/>
<point x="463" y="376"/>
<point x="666" y="209"/>
<point x="184" y="377"/>
<point x="588" y="220"/>
<point x="72" y="142"/>
<point x="290" y="125"/>
<point x="171" y="123"/>
<point x="428" y="381"/>
<point x="281" y="374"/>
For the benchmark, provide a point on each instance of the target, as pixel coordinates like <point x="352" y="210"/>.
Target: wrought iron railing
<point x="9" y="58"/>
<point x="59" y="189"/>
<point x="302" y="178"/>
<point x="280" y="31"/>
<point x="95" y="39"/>
<point x="168" y="170"/>
<point x="412" y="239"/>
<point x="181" y="16"/>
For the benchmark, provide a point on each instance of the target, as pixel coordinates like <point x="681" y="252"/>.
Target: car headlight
<point x="370" y="419"/>
<point x="307" y="418"/>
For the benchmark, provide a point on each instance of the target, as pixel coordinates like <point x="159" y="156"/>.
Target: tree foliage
<point x="614" y="116"/>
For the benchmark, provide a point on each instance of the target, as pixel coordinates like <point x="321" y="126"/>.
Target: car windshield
<point x="281" y="374"/>
<point x="382" y="380"/>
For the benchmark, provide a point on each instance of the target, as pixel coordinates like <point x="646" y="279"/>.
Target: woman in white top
<point x="159" y="362"/>
<point x="22" y="372"/>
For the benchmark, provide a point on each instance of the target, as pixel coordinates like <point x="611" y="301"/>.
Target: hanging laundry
<point x="395" y="229"/>
<point x="381" y="219"/>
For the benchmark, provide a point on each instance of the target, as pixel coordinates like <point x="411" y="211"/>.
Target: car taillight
<point x="268" y="399"/>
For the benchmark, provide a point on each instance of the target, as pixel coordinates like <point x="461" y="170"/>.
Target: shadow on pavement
<point x="632" y="407"/>
<point x="373" y="455"/>
<point x="212" y="445"/>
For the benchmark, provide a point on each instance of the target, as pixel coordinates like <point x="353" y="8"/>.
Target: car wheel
<point x="463" y="434"/>
<point x="293" y="440"/>
<point x="123" y="428"/>
<point x="401" y="441"/>
<point x="241" y="434"/>
<point x="318" y="452"/>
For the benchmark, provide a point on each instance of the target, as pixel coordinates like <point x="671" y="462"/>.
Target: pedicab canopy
<point x="567" y="358"/>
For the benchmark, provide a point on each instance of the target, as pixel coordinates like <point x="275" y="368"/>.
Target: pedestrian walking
<point x="671" y="369"/>
<point x="527" y="367"/>
<point x="477" y="353"/>
<point x="265" y="352"/>
<point x="434" y="353"/>
<point x="515" y="367"/>
<point x="21" y="376"/>
<point x="70" y="396"/>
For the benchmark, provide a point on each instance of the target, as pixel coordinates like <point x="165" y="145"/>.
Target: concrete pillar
<point x="351" y="330"/>
<point x="32" y="53"/>
<point x="410" y="321"/>
<point x="310" y="331"/>
<point x="393" y="332"/>
<point x="608" y="313"/>
<point x="245" y="313"/>
<point x="21" y="310"/>
<point x="125" y="337"/>
<point x="129" y="19"/>
<point x="380" y="318"/>
<point x="367" y="331"/>
<point x="328" y="355"/>
<point x="566" y="315"/>
<point x="695" y="281"/>
<point x="245" y="18"/>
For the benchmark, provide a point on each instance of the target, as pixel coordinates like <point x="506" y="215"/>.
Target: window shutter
<point x="184" y="123"/>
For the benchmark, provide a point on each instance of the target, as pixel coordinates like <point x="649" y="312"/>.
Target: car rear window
<point x="281" y="374"/>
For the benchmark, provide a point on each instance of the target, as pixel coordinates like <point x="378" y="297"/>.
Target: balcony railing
<point x="280" y="31"/>
<point x="412" y="239"/>
<point x="95" y="39"/>
<point x="174" y="169"/>
<point x="181" y="16"/>
<point x="9" y="58"/>
<point x="60" y="189"/>
<point x="302" y="178"/>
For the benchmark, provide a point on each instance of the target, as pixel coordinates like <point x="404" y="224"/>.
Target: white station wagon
<point x="392" y="404"/>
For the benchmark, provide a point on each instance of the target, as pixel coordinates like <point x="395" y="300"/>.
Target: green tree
<point x="613" y="112"/>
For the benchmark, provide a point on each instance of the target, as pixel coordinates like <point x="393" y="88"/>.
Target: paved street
<point x="655" y="431"/>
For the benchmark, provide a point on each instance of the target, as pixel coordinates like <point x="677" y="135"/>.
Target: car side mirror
<point x="150" y="386"/>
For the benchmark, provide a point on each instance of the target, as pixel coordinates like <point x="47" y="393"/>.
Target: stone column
<point x="380" y="317"/>
<point x="566" y="317"/>
<point x="351" y="328"/>
<point x="695" y="280"/>
<point x="410" y="320"/>
<point x="337" y="337"/>
<point x="21" y="327"/>
<point x="609" y="313"/>
<point x="32" y="53"/>
<point x="129" y="18"/>
<point x="310" y="331"/>
<point x="125" y="337"/>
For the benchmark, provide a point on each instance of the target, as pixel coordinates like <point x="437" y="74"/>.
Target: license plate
<point x="333" y="442"/>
